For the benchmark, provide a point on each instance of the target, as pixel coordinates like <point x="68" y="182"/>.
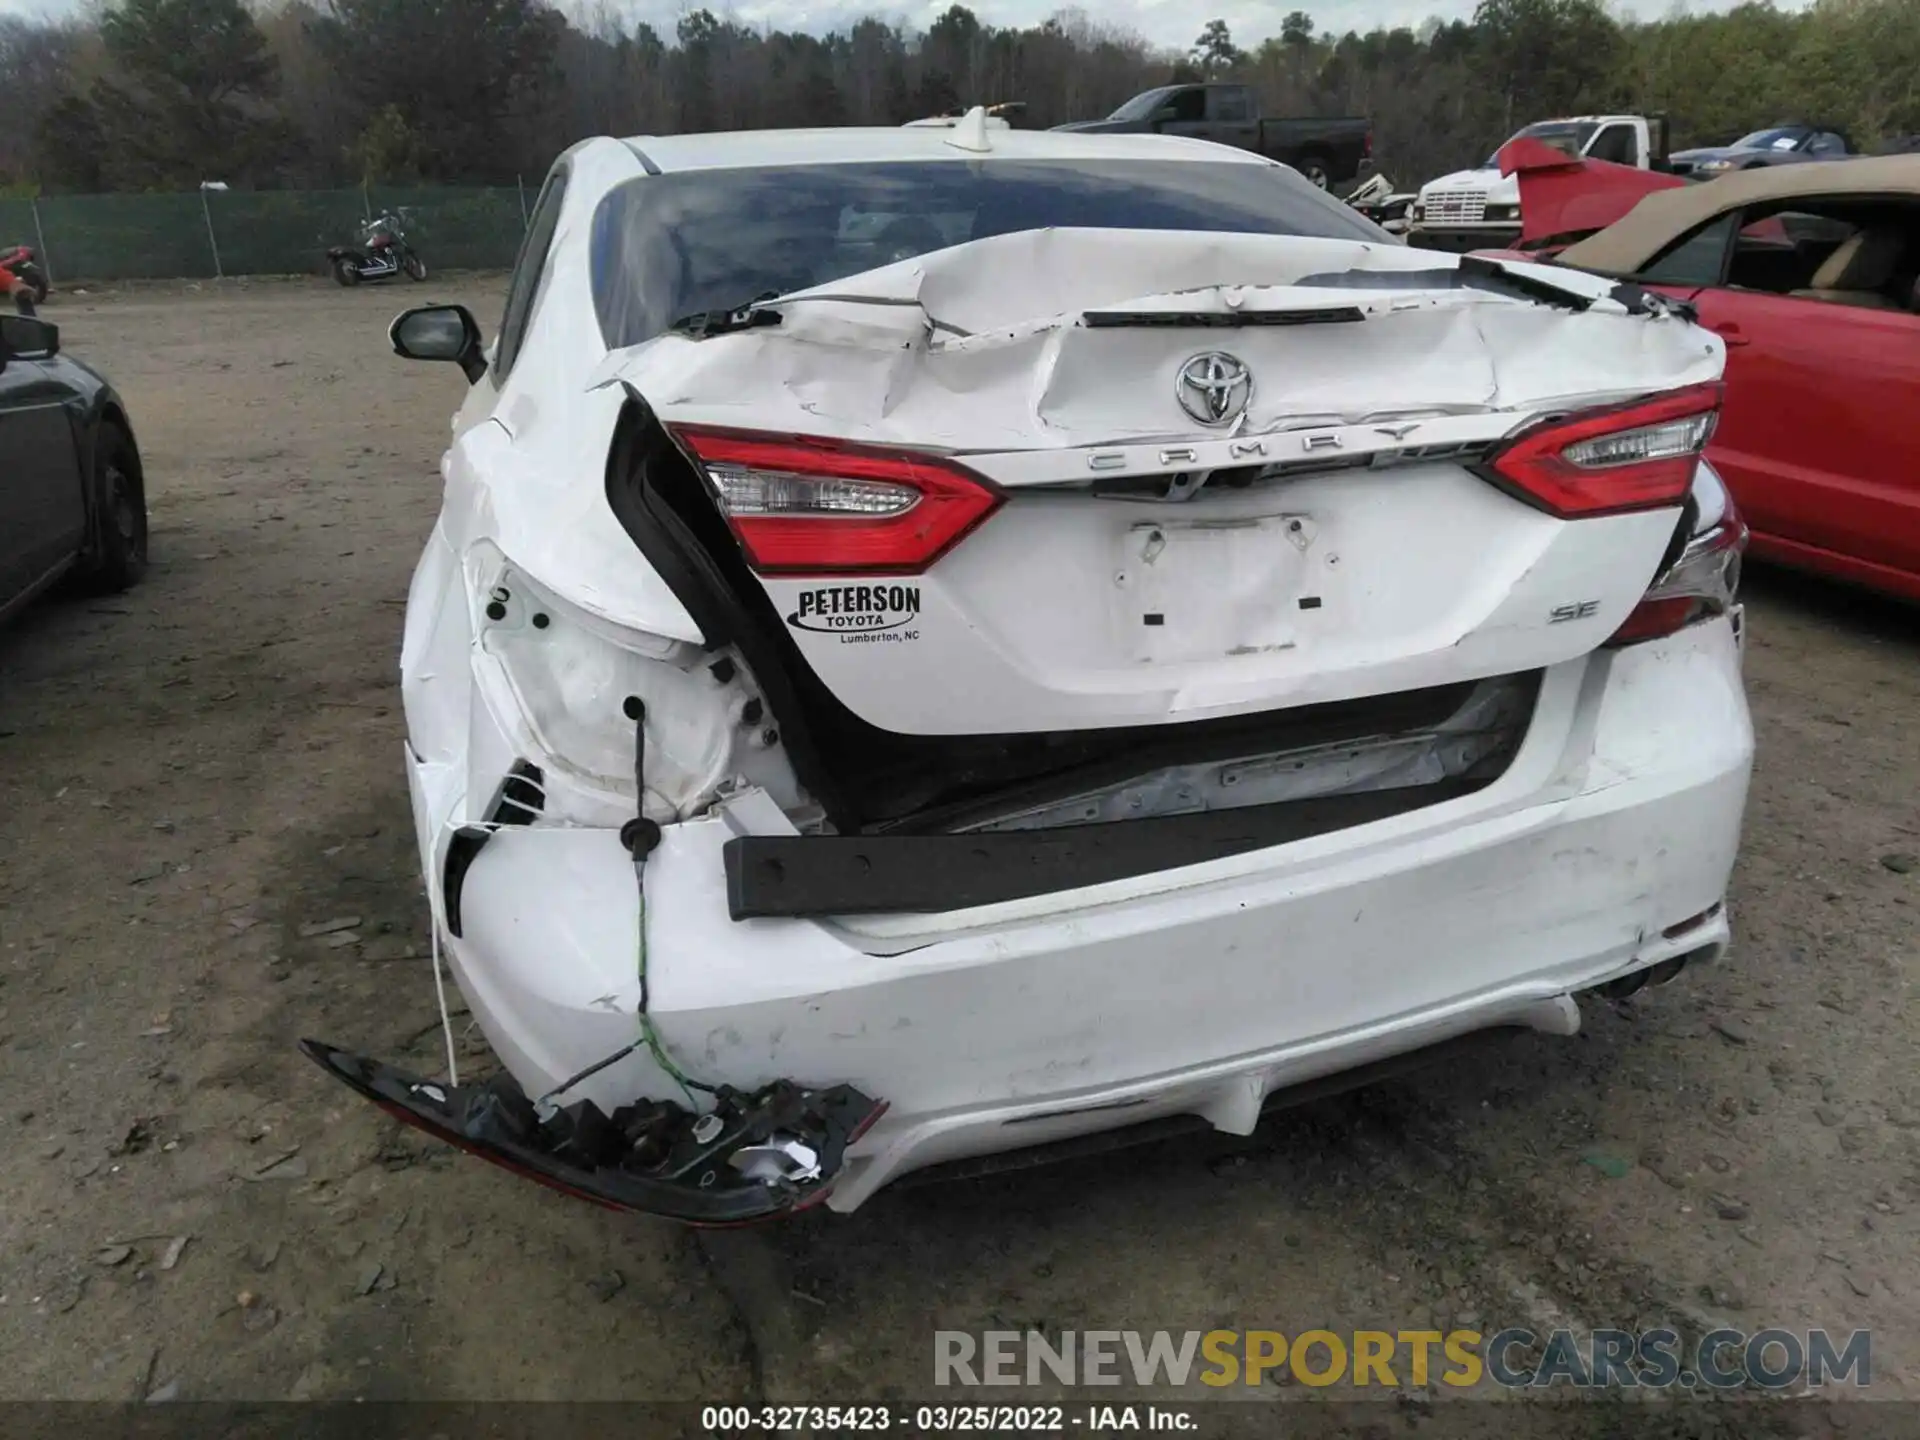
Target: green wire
<point x="655" y="1046"/>
<point x="649" y="1036"/>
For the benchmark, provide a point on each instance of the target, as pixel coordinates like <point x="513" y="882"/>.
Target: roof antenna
<point x="970" y="132"/>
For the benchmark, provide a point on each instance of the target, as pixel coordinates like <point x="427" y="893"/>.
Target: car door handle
<point x="1731" y="333"/>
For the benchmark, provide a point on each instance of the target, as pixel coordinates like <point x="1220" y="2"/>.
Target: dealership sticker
<point x="857" y="612"/>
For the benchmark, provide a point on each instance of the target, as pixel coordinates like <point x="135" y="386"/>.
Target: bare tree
<point x="36" y="72"/>
<point x="512" y="82"/>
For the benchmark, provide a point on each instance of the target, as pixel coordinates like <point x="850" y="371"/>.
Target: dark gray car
<point x="72" y="496"/>
<point x="1776" y="145"/>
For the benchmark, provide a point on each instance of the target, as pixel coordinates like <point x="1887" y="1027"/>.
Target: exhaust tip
<point x="1622" y="986"/>
<point x="1666" y="970"/>
<point x="1662" y="973"/>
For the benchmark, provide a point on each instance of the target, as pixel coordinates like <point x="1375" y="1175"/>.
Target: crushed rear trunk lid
<point x="1135" y="496"/>
<point x="1022" y="341"/>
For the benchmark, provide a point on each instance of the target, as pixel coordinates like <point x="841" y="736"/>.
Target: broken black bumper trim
<point x="789" y="876"/>
<point x="692" y="1162"/>
<point x="520" y="797"/>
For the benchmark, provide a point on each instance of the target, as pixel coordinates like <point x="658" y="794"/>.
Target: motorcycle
<point x="382" y="254"/>
<point x="1382" y="204"/>
<point x="22" y="277"/>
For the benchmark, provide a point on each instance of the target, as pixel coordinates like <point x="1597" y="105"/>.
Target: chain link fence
<point x="211" y="233"/>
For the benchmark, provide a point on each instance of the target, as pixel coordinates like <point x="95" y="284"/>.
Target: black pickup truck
<point x="1332" y="153"/>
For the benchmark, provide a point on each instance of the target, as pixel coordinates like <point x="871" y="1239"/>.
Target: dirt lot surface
<point x="199" y="770"/>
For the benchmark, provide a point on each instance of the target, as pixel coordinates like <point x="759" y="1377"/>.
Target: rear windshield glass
<point x="1781" y="139"/>
<point x="668" y="246"/>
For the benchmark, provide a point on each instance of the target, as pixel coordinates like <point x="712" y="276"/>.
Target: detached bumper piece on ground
<point x="751" y="1158"/>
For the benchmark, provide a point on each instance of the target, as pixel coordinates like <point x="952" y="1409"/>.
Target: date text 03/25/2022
<point x="949" y="1419"/>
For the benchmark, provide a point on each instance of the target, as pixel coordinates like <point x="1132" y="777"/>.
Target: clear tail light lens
<point x="1702" y="582"/>
<point x="745" y="492"/>
<point x="800" y="505"/>
<point x="1638" y="456"/>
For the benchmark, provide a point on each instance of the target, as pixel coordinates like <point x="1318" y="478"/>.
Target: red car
<point x="1811" y="274"/>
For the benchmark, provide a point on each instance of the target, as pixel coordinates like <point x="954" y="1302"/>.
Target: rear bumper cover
<point x="1194" y="991"/>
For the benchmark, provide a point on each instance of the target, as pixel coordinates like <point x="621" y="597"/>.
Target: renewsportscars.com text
<point x="1772" y="1359"/>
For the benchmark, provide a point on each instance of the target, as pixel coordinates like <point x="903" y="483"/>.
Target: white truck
<point x="1480" y="209"/>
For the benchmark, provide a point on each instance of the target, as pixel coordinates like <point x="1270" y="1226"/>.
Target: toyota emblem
<point x="1214" y="388"/>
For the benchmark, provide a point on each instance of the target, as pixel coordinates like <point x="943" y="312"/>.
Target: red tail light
<point x="1637" y="456"/>
<point x="1366" y="146"/>
<point x="1701" y="584"/>
<point x="1657" y="618"/>
<point x="803" y="505"/>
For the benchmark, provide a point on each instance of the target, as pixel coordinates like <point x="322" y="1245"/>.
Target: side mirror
<point x="1164" y="114"/>
<point x="24" y="338"/>
<point x="440" y="332"/>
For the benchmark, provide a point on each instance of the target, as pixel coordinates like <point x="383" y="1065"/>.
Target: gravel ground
<point x="201" y="771"/>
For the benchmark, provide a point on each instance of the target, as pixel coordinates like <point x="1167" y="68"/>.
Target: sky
<point x="1169" y="23"/>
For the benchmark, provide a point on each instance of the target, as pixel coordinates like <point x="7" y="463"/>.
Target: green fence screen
<point x="16" y="223"/>
<point x="199" y="235"/>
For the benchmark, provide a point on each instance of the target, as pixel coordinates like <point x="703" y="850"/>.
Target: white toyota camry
<point x="944" y="641"/>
